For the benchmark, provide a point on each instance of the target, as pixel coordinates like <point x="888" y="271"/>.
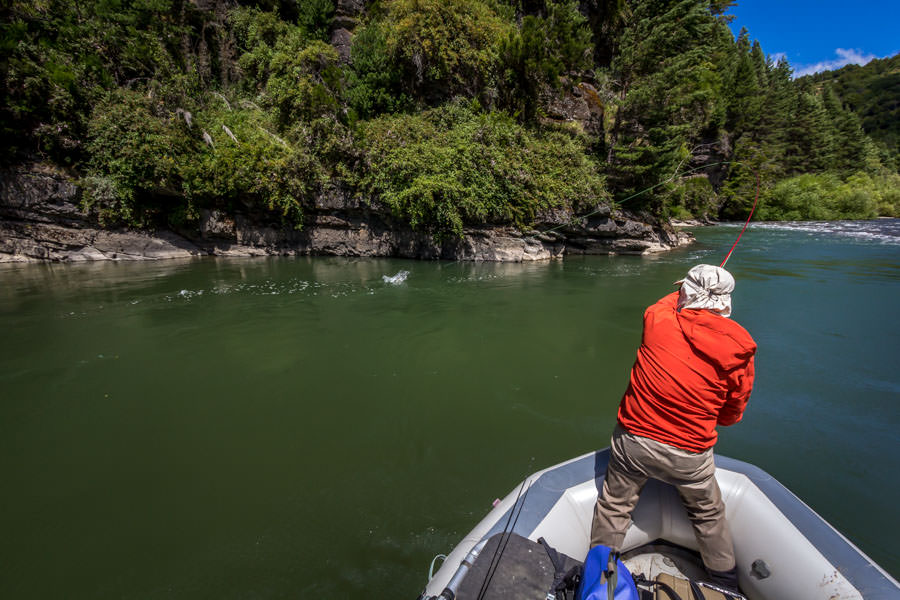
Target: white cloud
<point x="776" y="56"/>
<point x="845" y="57"/>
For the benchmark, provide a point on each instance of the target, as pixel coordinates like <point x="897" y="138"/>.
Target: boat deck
<point x="660" y="558"/>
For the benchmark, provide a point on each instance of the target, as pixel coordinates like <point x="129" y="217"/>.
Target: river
<point x="299" y="428"/>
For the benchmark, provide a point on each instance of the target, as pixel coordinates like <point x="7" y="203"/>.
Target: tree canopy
<point x="450" y="112"/>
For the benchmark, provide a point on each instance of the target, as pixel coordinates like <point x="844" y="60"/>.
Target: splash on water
<point x="396" y="279"/>
<point x="185" y="295"/>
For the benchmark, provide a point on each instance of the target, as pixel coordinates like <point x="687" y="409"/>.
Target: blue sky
<point x="821" y="35"/>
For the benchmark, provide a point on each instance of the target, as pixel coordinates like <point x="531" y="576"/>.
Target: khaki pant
<point x="634" y="459"/>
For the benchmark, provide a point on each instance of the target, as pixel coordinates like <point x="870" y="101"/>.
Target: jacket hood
<point x="718" y="338"/>
<point x="708" y="287"/>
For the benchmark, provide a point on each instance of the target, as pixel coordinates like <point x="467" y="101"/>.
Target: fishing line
<point x="669" y="180"/>
<point x="507" y="531"/>
<point x="619" y="203"/>
<point x="498" y="551"/>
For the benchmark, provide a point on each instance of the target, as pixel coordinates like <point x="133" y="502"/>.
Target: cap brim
<point x="679" y="282"/>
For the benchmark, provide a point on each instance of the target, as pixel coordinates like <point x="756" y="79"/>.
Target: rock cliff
<point x="40" y="220"/>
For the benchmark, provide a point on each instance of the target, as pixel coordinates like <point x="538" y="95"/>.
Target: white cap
<point x="707" y="287"/>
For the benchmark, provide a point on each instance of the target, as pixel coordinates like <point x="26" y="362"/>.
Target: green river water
<point x="298" y="428"/>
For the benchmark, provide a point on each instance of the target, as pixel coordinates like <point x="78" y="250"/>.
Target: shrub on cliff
<point x="248" y="163"/>
<point x="315" y="17"/>
<point x="305" y="82"/>
<point x="374" y="79"/>
<point x="256" y="34"/>
<point x="57" y="57"/>
<point x="298" y="76"/>
<point x="455" y="165"/>
<point x="537" y="53"/>
<point x="443" y="48"/>
<point x="149" y="160"/>
<point x="135" y="149"/>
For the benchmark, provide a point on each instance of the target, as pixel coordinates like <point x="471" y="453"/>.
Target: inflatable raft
<point x="784" y="550"/>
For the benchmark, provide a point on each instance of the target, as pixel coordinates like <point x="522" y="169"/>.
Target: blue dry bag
<point x="593" y="584"/>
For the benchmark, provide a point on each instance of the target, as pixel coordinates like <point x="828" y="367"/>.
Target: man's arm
<point x="740" y="384"/>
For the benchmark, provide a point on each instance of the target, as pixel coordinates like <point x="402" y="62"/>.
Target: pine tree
<point x="850" y="149"/>
<point x="607" y="19"/>
<point x="760" y="143"/>
<point x="776" y="114"/>
<point x="810" y="135"/>
<point x="760" y="64"/>
<point x="744" y="109"/>
<point x="669" y="92"/>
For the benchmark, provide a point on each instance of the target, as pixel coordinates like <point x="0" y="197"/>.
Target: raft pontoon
<point x="784" y="550"/>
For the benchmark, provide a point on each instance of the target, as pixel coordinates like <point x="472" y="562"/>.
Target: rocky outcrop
<point x="579" y="103"/>
<point x="40" y="220"/>
<point x="346" y="16"/>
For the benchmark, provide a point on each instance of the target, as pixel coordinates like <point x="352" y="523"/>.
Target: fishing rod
<point x="516" y="509"/>
<point x="750" y="216"/>
<point x="452" y="588"/>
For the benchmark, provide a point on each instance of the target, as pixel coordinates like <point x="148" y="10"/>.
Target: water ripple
<point x="883" y="231"/>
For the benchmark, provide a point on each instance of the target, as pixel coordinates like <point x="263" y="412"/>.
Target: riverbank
<point x="42" y="219"/>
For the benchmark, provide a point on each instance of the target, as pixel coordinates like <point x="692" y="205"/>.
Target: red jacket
<point x="694" y="370"/>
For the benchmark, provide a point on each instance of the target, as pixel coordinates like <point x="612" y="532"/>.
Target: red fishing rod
<point x="750" y="216"/>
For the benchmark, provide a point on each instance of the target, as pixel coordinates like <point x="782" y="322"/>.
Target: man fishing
<point x="694" y="370"/>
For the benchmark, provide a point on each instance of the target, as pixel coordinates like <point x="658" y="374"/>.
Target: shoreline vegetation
<point x="445" y="115"/>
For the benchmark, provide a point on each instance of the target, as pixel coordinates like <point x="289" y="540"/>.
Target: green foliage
<point x="60" y="58"/>
<point x="445" y="47"/>
<point x="827" y="197"/>
<point x="134" y="148"/>
<point x="753" y="168"/>
<point x="851" y="149"/>
<point x="148" y="163"/>
<point x="779" y="128"/>
<point x="535" y="55"/>
<point x="888" y="187"/>
<point x="745" y="101"/>
<point x="57" y="60"/>
<point x="299" y="77"/>
<point x="669" y="93"/>
<point x="257" y="167"/>
<point x="455" y="165"/>
<point x="256" y="33"/>
<point x="375" y="82"/>
<point x="810" y="137"/>
<point x="305" y="81"/>
<point x="692" y="197"/>
<point x="315" y="17"/>
<point x="871" y="92"/>
<point x="128" y="93"/>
